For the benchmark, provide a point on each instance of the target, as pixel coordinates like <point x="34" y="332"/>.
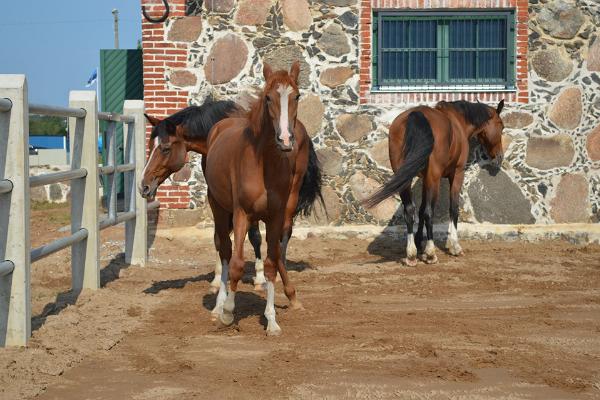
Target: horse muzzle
<point x="148" y="191"/>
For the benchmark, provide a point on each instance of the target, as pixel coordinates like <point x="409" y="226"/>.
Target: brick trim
<point x="366" y="96"/>
<point x="159" y="57"/>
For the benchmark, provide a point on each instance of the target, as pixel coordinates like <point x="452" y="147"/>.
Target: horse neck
<point x="468" y="128"/>
<point x="198" y="145"/>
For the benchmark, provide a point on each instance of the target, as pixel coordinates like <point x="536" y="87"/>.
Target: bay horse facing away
<point x="251" y="175"/>
<point x="188" y="130"/>
<point x="433" y="143"/>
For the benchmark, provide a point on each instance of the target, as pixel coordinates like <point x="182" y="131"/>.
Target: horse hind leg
<point x="216" y="282"/>
<point x="409" y="217"/>
<point x="256" y="240"/>
<point x="430" y="197"/>
<point x="452" y="244"/>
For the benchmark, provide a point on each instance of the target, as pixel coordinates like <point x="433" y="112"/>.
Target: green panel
<point x="121" y="78"/>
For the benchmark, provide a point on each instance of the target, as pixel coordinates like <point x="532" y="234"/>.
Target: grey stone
<point x="353" y="127"/>
<point x="517" y="119"/>
<point x="550" y="152"/>
<point x="331" y="161"/>
<point x="296" y="14"/>
<point x="571" y="202"/>
<point x="552" y="64"/>
<point x="185" y="29"/>
<point x="348" y="18"/>
<point x="362" y="187"/>
<point x="284" y="57"/>
<point x="339" y="3"/>
<point x="219" y="6"/>
<point x="226" y="59"/>
<point x="593" y="57"/>
<point x="497" y="199"/>
<point x="333" y="77"/>
<point x="380" y="152"/>
<point x="567" y="109"/>
<point x="253" y="12"/>
<point x="311" y="112"/>
<point x="561" y="19"/>
<point x="332" y="211"/>
<point x="334" y="41"/>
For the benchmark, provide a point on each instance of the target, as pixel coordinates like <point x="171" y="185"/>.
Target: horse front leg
<point x="236" y="265"/>
<point x="216" y="282"/>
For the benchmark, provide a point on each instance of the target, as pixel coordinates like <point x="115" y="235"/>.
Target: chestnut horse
<point x="187" y="130"/>
<point x="251" y="174"/>
<point x="434" y="143"/>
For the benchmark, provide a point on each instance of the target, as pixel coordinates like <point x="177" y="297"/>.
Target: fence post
<point x="15" y="295"/>
<point x="85" y="202"/>
<point x="136" y="230"/>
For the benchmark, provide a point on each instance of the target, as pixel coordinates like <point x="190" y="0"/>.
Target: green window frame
<point x="444" y="50"/>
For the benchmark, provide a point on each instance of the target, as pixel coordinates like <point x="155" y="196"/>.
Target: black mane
<point x="198" y="120"/>
<point x="476" y="114"/>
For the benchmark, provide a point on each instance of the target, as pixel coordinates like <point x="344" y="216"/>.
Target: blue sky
<point x="56" y="43"/>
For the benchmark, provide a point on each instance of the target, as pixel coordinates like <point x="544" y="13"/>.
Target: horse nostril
<point x="145" y="190"/>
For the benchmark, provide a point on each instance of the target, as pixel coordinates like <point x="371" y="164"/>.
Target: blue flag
<point x="93" y="78"/>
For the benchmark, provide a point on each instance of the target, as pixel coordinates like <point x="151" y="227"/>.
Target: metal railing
<point x="16" y="254"/>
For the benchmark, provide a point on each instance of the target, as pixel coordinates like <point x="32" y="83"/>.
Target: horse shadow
<point x="159" y="286"/>
<point x="109" y="273"/>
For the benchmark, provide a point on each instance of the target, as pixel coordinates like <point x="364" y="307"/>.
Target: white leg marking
<point x="411" y="248"/>
<point x="272" y="328"/>
<point x="452" y="242"/>
<point x="430" y="248"/>
<point x="284" y="123"/>
<point x="227" y="316"/>
<point x="218" y="310"/>
<point x="259" y="280"/>
<point x="216" y="282"/>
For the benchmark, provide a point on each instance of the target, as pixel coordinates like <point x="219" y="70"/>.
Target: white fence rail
<point x="16" y="254"/>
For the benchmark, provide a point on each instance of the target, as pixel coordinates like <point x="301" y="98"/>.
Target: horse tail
<point x="310" y="190"/>
<point x="418" y="145"/>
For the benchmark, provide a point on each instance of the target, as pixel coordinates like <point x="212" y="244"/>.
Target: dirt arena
<point x="506" y="321"/>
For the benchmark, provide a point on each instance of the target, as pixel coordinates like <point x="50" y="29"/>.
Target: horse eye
<point x="165" y="150"/>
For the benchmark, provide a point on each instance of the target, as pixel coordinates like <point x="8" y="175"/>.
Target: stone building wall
<point x="552" y="136"/>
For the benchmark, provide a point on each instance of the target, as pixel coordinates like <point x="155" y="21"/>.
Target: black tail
<point x="418" y="145"/>
<point x="310" y="190"/>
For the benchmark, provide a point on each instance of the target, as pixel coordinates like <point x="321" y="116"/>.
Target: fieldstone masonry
<point x="551" y="171"/>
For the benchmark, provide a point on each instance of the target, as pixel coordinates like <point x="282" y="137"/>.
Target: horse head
<point x="167" y="155"/>
<point x="490" y="134"/>
<point x="280" y="103"/>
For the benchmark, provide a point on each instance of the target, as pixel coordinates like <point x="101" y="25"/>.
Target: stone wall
<point x="552" y="140"/>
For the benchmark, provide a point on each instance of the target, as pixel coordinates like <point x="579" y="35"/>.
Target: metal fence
<point x="16" y="254"/>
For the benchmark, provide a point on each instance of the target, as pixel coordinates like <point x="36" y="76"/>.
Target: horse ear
<point x="295" y="71"/>
<point x="153" y="121"/>
<point x="267" y="71"/>
<point x="500" y="107"/>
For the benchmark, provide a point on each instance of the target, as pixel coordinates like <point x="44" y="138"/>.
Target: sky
<point x="56" y="43"/>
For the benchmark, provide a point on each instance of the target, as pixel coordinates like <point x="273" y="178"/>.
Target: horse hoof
<point x="297" y="306"/>
<point x="430" y="259"/>
<point x="214" y="316"/>
<point x="274" y="331"/>
<point x="226" y="318"/>
<point x="411" y="262"/>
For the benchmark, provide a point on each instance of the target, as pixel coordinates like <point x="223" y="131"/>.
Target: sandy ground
<point x="506" y="321"/>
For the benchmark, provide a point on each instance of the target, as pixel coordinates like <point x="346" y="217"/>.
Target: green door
<point x="121" y="78"/>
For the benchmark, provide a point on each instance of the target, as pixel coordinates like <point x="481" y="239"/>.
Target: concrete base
<point x="575" y="233"/>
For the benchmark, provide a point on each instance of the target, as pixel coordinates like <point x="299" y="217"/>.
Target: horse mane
<point x="476" y="114"/>
<point x="198" y="120"/>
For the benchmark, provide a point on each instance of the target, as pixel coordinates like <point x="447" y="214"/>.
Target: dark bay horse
<point x="251" y="174"/>
<point x="434" y="143"/>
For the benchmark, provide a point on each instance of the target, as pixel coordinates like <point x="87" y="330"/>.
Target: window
<point x="442" y="51"/>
